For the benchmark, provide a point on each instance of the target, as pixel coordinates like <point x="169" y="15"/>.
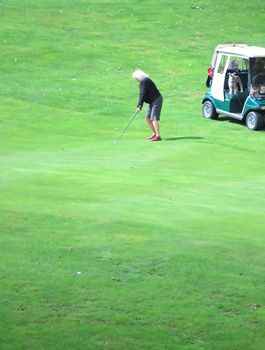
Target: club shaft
<point x="127" y="126"/>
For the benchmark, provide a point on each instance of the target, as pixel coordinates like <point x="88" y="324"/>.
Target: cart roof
<point x="241" y="49"/>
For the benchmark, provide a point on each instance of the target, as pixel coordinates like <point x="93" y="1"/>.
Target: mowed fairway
<point x="136" y="245"/>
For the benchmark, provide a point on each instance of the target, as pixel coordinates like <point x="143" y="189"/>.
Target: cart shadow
<point x="235" y="121"/>
<point x="182" y="138"/>
<point x="230" y="120"/>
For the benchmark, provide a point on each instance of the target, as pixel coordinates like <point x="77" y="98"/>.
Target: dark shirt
<point x="148" y="92"/>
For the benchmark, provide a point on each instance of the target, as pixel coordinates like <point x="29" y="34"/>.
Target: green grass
<point x="137" y="245"/>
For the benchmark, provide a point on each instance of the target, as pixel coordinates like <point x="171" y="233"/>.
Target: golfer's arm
<point x="142" y="96"/>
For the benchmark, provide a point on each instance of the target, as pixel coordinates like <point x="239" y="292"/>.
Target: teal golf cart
<point x="236" y="82"/>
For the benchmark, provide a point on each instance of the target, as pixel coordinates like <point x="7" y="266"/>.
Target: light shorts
<point x="154" y="109"/>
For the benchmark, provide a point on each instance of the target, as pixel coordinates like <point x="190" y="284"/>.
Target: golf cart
<point x="236" y="82"/>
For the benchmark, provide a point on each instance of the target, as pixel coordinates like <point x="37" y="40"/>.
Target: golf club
<point x="116" y="141"/>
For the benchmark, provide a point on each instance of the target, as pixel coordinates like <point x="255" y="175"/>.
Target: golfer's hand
<point x="138" y="109"/>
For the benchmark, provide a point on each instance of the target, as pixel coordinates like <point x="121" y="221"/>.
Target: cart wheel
<point x="209" y="111"/>
<point x="255" y="121"/>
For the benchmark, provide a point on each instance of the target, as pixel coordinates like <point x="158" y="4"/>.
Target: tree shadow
<point x="182" y="138"/>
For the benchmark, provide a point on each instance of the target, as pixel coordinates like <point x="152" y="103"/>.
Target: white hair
<point x="139" y="75"/>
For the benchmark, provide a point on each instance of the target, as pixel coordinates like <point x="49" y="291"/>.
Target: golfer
<point x="149" y="94"/>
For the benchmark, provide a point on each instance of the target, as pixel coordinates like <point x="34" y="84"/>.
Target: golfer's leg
<point x="156" y="126"/>
<point x="150" y="124"/>
<point x="148" y="116"/>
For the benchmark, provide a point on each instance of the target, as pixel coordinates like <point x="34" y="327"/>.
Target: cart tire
<point x="208" y="110"/>
<point x="255" y="121"/>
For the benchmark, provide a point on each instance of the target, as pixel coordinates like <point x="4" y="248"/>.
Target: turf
<point x="135" y="245"/>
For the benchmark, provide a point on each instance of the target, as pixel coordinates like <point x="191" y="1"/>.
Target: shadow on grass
<point x="182" y="138"/>
<point x="231" y="120"/>
<point x="235" y="121"/>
